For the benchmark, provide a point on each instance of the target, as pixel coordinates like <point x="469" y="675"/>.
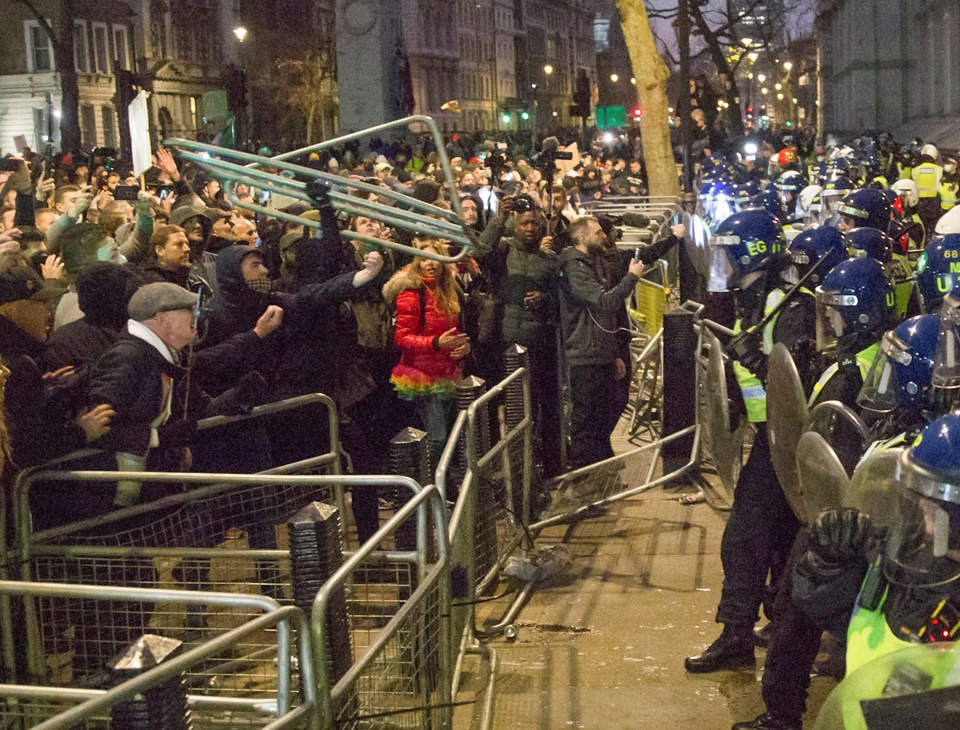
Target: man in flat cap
<point x="136" y="375"/>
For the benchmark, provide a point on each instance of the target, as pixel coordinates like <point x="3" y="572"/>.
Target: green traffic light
<point x="505" y="119"/>
<point x="524" y="115"/>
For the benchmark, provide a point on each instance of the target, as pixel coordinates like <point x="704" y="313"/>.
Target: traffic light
<point x="582" y="95"/>
<point x="637" y="112"/>
<point x="524" y="115"/>
<point x="506" y="118"/>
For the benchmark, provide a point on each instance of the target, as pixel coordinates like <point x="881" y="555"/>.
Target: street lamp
<point x="747" y="42"/>
<point x="614" y="78"/>
<point x="241" y="33"/>
<point x="761" y="78"/>
<point x="548" y="69"/>
<point x="763" y="90"/>
<point x="787" y="65"/>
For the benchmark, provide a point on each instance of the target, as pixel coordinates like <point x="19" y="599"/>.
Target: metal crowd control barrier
<point x="175" y="521"/>
<point x="493" y="507"/>
<point x="218" y="700"/>
<point x="431" y="220"/>
<point x="401" y="673"/>
<point x="182" y="540"/>
<point x="720" y="446"/>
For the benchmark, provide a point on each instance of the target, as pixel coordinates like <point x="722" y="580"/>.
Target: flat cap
<point x="162" y="296"/>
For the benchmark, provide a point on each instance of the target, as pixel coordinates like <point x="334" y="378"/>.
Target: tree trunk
<point x="735" y="123"/>
<point x="651" y="74"/>
<point x="311" y="113"/>
<point x="69" y="86"/>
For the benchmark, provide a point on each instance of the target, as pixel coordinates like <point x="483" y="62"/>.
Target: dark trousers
<point x="593" y="390"/>
<point x="792" y="651"/>
<point x="757" y="538"/>
<point x="545" y="397"/>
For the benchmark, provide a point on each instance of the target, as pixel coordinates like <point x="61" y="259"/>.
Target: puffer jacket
<point x="589" y="312"/>
<point x="421" y="365"/>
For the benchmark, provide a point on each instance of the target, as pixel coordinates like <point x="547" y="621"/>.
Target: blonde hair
<point x="445" y="291"/>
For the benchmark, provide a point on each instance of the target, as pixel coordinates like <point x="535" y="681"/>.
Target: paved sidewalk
<point x="602" y="645"/>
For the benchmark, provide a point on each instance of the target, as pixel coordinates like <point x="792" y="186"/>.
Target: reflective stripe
<point x="753" y="391"/>
<point x="948" y="195"/>
<point x="754" y="396"/>
<point x="927" y="177"/>
<point x="864" y="361"/>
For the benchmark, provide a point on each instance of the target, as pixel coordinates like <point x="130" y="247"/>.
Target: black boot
<point x="732" y="650"/>
<point x="766" y="721"/>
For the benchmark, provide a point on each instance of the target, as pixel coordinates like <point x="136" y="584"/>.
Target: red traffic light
<point x="637" y="112"/>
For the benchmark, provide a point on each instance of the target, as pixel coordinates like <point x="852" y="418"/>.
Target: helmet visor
<point x="946" y="363"/>
<point x="881" y="388"/>
<point x="830" y="324"/>
<point x="721" y="270"/>
<point x="924" y="544"/>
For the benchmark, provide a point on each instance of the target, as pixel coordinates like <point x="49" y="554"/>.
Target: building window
<point x="81" y="53"/>
<point x="109" y="128"/>
<point x="101" y="49"/>
<point x="121" y="48"/>
<point x="39" y="49"/>
<point x="88" y="125"/>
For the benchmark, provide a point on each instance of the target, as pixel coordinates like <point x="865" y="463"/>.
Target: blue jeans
<point x="437" y="411"/>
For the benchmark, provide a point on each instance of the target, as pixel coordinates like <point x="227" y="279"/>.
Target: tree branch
<point x="44" y="23"/>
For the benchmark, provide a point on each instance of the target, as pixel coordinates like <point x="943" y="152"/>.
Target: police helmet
<point x="923" y="549"/>
<point x="867" y="208"/>
<point x="869" y="242"/>
<point x="903" y="366"/>
<point x="823" y="247"/>
<point x="949" y="222"/>
<point x="856" y="297"/>
<point x="744" y="191"/>
<point x="938" y="270"/>
<point x="749" y="241"/>
<point x="908" y="191"/>
<point x="771" y="202"/>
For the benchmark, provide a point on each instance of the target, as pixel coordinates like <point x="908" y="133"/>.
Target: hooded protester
<point x="103" y="291"/>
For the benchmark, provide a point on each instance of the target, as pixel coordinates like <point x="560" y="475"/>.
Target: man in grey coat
<point x="589" y="321"/>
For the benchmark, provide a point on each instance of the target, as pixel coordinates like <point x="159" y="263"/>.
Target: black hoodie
<point x="103" y="291"/>
<point x="299" y="354"/>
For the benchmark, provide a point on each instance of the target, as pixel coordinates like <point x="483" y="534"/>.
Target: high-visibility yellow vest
<point x="927" y="177"/>
<point x="754" y="394"/>
<point x="903" y="282"/>
<point x="868" y="635"/>
<point x="948" y="194"/>
<point x="864" y="361"/>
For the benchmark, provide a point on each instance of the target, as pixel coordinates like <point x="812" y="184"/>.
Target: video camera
<point x="546" y="159"/>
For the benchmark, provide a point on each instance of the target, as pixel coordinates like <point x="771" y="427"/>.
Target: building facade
<point x="511" y="64"/>
<point x="890" y="65"/>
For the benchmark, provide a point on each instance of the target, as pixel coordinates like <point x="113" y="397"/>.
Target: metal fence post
<point x="315" y="554"/>
<point x="164" y="706"/>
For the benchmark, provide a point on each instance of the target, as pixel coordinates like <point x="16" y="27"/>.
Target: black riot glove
<point x="756" y="362"/>
<point x="838" y="537"/>
<point x="319" y="192"/>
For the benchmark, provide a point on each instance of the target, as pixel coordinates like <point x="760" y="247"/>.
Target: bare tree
<point x="651" y="73"/>
<point x="61" y="40"/>
<point x="725" y="28"/>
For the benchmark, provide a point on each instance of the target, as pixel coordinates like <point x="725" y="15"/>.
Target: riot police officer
<point x="898" y="393"/>
<point x="938" y="270"/>
<point x="761" y="527"/>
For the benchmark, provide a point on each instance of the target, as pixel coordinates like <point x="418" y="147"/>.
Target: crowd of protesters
<point x="130" y="308"/>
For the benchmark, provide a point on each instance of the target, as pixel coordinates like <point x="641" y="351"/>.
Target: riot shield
<point x="725" y="444"/>
<point x="843" y="429"/>
<point x="873" y="486"/>
<point x="823" y="479"/>
<point x="786" y="417"/>
<point x="916" y="687"/>
<point x="697" y="243"/>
